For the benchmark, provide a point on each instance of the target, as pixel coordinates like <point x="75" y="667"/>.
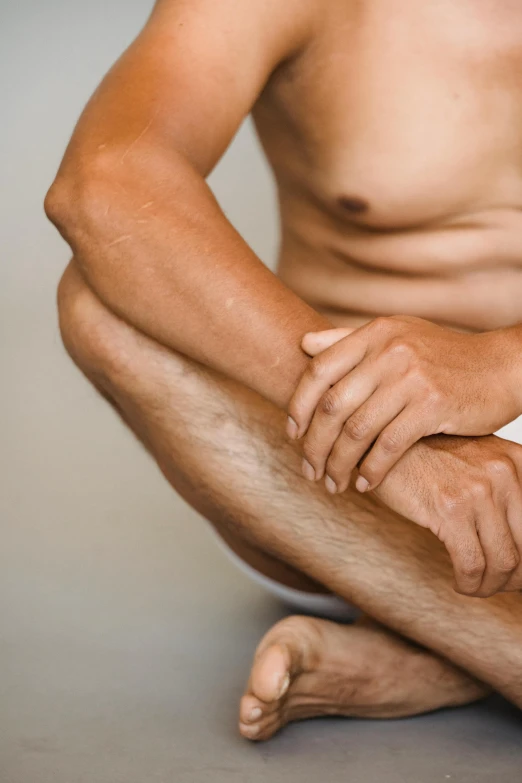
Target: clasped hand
<point x="377" y="397"/>
<point x="369" y="394"/>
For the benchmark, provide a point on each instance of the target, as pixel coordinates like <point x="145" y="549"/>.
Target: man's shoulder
<point x="284" y="26"/>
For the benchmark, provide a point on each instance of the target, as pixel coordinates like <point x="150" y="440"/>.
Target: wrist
<point x="505" y="345"/>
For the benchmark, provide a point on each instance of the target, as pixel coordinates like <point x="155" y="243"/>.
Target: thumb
<point x="316" y="342"/>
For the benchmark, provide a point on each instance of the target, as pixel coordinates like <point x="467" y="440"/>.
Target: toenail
<point x="284" y="685"/>
<point x="308" y="471"/>
<point x="330" y="485"/>
<point x="256" y="713"/>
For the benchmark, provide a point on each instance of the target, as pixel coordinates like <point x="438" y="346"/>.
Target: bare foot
<point x="306" y="667"/>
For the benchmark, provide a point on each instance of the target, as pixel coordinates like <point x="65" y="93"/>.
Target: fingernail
<point x="308" y="471"/>
<point x="284" y="685"/>
<point x="256" y="713"/>
<point x="291" y="428"/>
<point x="330" y="485"/>
<point x="361" y="485"/>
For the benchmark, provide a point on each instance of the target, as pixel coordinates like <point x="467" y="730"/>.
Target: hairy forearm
<point x="154" y="245"/>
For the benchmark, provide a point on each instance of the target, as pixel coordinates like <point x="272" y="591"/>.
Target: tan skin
<point x="403" y="199"/>
<point x="382" y="387"/>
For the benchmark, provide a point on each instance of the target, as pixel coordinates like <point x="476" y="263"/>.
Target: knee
<point x="85" y="324"/>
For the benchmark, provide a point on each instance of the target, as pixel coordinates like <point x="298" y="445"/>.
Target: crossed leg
<point x="222" y="448"/>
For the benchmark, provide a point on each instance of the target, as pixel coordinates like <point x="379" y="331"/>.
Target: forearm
<point x="155" y="247"/>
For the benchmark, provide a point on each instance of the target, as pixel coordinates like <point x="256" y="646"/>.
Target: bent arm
<point x="131" y="199"/>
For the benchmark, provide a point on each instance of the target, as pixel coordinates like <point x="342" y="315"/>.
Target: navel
<point x="353" y="204"/>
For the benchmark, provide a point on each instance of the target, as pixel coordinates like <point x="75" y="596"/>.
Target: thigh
<point x="205" y="431"/>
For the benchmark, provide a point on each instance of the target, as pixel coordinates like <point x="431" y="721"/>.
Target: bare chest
<point x="403" y="112"/>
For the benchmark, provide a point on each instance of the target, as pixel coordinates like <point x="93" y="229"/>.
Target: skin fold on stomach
<point x="342" y="280"/>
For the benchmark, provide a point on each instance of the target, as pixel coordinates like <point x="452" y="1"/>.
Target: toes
<point x="284" y="653"/>
<point x="260" y="709"/>
<point x="271" y="673"/>
<point x="250" y="732"/>
<point x="251" y="709"/>
<point x="258" y="732"/>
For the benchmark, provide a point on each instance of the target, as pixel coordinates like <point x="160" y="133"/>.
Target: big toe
<point x="271" y="673"/>
<point x="259" y="713"/>
<point x="278" y="662"/>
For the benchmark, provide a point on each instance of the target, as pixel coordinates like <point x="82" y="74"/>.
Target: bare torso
<point x="397" y="148"/>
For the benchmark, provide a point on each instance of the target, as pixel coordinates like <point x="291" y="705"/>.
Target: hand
<point x="467" y="491"/>
<point x="382" y="387"/>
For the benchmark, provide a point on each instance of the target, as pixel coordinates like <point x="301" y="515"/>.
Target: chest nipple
<point x="353" y="205"/>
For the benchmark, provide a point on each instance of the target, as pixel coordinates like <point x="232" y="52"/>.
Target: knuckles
<point x="330" y="404"/>
<point x="355" y="429"/>
<point x="501" y="467"/>
<point x="317" y="369"/>
<point x="478" y="490"/>
<point x="472" y="569"/>
<point x="469" y="562"/>
<point x="390" y="442"/>
<point x="458" y="505"/>
<point x="454" y="505"/>
<point x="508" y="563"/>
<point x="390" y="325"/>
<point x="382" y="324"/>
<point x="400" y="348"/>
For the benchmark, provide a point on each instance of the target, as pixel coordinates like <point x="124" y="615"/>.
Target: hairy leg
<point x="223" y="449"/>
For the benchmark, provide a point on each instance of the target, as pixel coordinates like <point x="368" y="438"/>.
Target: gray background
<point x="125" y="637"/>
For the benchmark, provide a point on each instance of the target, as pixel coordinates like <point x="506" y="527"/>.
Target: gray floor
<point x="125" y="637"/>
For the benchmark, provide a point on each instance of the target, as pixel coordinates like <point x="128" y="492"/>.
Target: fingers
<point x="498" y="546"/>
<point x="357" y="435"/>
<point x="514" y="518"/>
<point x="316" y="342"/>
<point x="481" y="545"/>
<point x="329" y="419"/>
<point x="407" y="428"/>
<point x="324" y="371"/>
<point x="349" y="418"/>
<point x="464" y="548"/>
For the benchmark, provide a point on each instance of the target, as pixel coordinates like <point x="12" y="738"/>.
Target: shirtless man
<point x="394" y="130"/>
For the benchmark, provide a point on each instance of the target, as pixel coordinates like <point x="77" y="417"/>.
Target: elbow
<point x="78" y="200"/>
<point x="57" y="203"/>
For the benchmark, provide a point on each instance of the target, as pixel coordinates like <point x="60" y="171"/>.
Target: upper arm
<point x="191" y="76"/>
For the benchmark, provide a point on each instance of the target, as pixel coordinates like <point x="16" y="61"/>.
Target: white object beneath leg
<point x="330" y="607"/>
